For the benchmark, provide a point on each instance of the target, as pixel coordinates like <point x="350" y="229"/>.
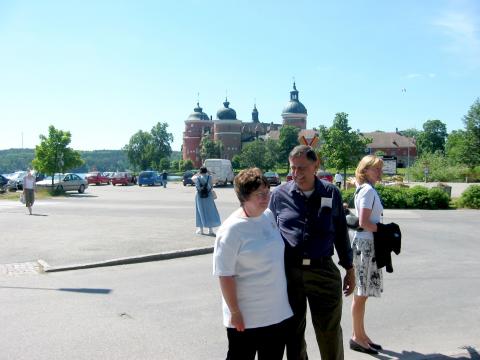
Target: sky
<point x="104" y="70"/>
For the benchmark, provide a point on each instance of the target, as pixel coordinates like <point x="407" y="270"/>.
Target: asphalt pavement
<point x="171" y="309"/>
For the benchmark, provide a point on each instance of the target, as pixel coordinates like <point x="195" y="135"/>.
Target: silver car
<point x="64" y="182"/>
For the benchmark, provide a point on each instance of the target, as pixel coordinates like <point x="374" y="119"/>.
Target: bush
<point x="439" y="199"/>
<point x="397" y="197"/>
<point x="470" y="198"/>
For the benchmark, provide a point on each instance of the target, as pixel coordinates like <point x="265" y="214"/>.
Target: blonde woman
<point x="369" y="280"/>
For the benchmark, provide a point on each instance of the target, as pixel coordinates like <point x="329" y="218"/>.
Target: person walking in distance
<point x="310" y="215"/>
<point x="205" y="210"/>
<point x="29" y="188"/>
<point x="338" y="179"/>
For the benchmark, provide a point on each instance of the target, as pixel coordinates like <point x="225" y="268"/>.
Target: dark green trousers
<point x="321" y="286"/>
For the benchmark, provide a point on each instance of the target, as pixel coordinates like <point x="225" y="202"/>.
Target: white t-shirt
<point x="338" y="177"/>
<point x="252" y="250"/>
<point x="367" y="198"/>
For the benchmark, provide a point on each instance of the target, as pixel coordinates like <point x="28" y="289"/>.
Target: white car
<point x="65" y="182"/>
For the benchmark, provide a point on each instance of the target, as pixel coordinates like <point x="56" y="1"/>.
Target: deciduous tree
<point x="341" y="146"/>
<point x="210" y="149"/>
<point x="288" y="139"/>
<point x="53" y="154"/>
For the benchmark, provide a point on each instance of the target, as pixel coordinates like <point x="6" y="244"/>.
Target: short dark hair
<point x="203" y="170"/>
<point x="247" y="181"/>
<point x="301" y="150"/>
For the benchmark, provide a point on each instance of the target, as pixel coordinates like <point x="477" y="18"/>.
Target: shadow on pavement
<point x="79" y="290"/>
<point x="413" y="355"/>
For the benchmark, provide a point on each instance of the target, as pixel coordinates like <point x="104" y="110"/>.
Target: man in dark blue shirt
<point x="310" y="216"/>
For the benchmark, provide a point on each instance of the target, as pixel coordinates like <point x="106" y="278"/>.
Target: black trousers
<point x="268" y="342"/>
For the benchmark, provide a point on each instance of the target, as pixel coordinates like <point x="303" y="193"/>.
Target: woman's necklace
<point x="245" y="211"/>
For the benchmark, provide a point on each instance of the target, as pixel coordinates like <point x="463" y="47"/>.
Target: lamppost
<point x="408" y="158"/>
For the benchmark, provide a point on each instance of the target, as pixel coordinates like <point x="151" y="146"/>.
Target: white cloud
<point x="462" y="31"/>
<point x="413" y="76"/>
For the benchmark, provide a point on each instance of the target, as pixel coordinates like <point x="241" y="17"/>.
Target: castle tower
<point x="255" y="114"/>
<point x="228" y="130"/>
<point x="197" y="125"/>
<point x="294" y="113"/>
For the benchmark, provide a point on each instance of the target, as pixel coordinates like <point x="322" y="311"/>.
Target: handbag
<point x="352" y="220"/>
<point x="214" y="194"/>
<point x="22" y="198"/>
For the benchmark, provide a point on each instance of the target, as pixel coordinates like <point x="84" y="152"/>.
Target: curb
<point x="129" y="260"/>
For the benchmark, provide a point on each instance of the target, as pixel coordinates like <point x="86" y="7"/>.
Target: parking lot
<point x="105" y="222"/>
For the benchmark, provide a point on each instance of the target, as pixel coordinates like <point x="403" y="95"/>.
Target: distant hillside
<point x="102" y="160"/>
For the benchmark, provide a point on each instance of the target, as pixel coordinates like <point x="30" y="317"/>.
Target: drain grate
<point x="16" y="269"/>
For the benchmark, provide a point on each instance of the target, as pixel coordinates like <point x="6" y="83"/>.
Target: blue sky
<point x="105" y="69"/>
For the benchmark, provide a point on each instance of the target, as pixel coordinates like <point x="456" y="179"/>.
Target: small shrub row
<point x="470" y="198"/>
<point x="396" y="197"/>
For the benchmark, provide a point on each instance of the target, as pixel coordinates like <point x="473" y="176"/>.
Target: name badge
<point x="326" y="202"/>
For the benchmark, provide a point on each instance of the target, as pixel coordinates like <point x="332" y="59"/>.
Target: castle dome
<point x="294" y="105"/>
<point x="198" y="114"/>
<point x="226" y="113"/>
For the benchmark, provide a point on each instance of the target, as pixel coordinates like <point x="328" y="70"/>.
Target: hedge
<point x="470" y="197"/>
<point x="397" y="197"/>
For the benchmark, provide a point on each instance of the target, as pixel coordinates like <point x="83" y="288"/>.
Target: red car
<point x="325" y="175"/>
<point x="123" y="178"/>
<point x="97" y="178"/>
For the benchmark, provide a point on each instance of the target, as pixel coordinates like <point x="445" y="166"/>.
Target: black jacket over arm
<point x="388" y="238"/>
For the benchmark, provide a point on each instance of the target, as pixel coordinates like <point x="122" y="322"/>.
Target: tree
<point x="53" y="154"/>
<point x="188" y="164"/>
<point x="288" y="139"/>
<point x="210" y="149"/>
<point x="342" y="147"/>
<point x="139" y="150"/>
<point x="272" y="153"/>
<point x="432" y="138"/>
<point x="455" y="147"/>
<point x="411" y="133"/>
<point x="160" y="142"/>
<point x="164" y="164"/>
<point x="472" y="131"/>
<point x="253" y="154"/>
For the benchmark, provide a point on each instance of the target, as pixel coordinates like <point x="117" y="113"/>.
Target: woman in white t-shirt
<point x="29" y="188"/>
<point x="369" y="280"/>
<point x="248" y="258"/>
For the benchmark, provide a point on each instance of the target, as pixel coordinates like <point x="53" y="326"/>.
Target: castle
<point x="233" y="133"/>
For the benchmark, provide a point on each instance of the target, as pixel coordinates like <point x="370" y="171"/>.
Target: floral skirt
<point x="368" y="279"/>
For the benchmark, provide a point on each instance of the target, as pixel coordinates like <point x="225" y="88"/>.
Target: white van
<point x="221" y="171"/>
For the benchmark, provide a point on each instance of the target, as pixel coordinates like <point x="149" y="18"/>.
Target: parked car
<point x="3" y="184"/>
<point x="64" y="182"/>
<point x="187" y="178"/>
<point x="19" y="179"/>
<point x="325" y="175"/>
<point x="149" y="178"/>
<point x="273" y="178"/>
<point x="97" y="178"/>
<point x="321" y="174"/>
<point x="123" y="178"/>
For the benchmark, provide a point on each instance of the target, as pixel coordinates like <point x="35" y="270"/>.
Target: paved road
<point x="104" y="223"/>
<point x="171" y="309"/>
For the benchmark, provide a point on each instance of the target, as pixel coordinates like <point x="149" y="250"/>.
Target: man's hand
<point x="349" y="282"/>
